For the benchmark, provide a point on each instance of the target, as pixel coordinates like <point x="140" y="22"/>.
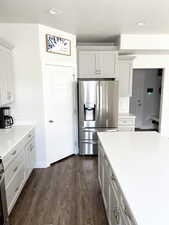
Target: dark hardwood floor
<point x="66" y="193"/>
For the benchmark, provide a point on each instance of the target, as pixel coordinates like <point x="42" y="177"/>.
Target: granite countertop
<point x="140" y="161"/>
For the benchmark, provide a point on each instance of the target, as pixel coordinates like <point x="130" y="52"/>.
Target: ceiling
<point x="91" y="20"/>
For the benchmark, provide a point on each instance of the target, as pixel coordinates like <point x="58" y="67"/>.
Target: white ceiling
<point x="91" y="20"/>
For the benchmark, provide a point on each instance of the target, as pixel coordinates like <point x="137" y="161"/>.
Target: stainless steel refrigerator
<point x="98" y="111"/>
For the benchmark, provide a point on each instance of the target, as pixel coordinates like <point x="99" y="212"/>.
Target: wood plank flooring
<point x="66" y="193"/>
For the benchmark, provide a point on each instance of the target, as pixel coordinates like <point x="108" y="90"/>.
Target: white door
<point x="59" y="94"/>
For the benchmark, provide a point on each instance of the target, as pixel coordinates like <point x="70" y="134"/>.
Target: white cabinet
<point x="126" y="122"/>
<point x="87" y="63"/>
<point x="106" y="184"/>
<point x="125" y="70"/>
<point x="117" y="209"/>
<point x="29" y="158"/>
<point x="97" y="64"/>
<point x="6" y="76"/>
<point x="18" y="165"/>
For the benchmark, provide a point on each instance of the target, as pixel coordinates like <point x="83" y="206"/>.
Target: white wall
<point x="124" y="104"/>
<point x="144" y="42"/>
<point x="28" y="105"/>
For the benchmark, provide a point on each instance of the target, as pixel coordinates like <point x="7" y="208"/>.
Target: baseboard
<point x="41" y="164"/>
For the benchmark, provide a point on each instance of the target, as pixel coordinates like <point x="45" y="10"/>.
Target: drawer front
<point x="13" y="167"/>
<point x="126" y="128"/>
<point x="88" y="147"/>
<point x="7" y="160"/>
<point x="127" y="212"/>
<point x="126" y="121"/>
<point x="29" y="136"/>
<point x="88" y="135"/>
<point x="15" y="186"/>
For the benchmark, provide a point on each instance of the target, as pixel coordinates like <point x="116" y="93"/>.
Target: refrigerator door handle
<point x="97" y="103"/>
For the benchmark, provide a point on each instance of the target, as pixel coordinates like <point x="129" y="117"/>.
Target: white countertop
<point x="10" y="137"/>
<point x="140" y="161"/>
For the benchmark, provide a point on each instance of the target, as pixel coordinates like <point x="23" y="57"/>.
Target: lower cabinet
<point x="29" y="158"/>
<point x="117" y="209"/>
<point x="14" y="188"/>
<point x="18" y="165"/>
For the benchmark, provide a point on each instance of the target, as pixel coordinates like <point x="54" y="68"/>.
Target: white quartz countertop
<point x="140" y="161"/>
<point x="10" y="137"/>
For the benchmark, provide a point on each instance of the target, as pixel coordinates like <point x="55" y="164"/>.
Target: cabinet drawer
<point x="126" y="128"/>
<point x="14" y="188"/>
<point x="29" y="136"/>
<point x="126" y="121"/>
<point x="13" y="167"/>
<point x="7" y="160"/>
<point x="129" y="218"/>
<point x="88" y="147"/>
<point x="88" y="134"/>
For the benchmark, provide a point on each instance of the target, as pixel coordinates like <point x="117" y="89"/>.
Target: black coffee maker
<point x="6" y="120"/>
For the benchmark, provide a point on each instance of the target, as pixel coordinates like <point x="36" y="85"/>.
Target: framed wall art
<point x="58" y="45"/>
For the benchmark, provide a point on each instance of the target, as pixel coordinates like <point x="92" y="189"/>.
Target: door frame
<point x="162" y="88"/>
<point x="75" y="118"/>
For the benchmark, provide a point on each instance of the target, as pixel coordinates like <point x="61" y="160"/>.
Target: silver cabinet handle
<point x="15" y="169"/>
<point x="116" y="213"/>
<point x="51" y="121"/>
<point x="14" y="152"/>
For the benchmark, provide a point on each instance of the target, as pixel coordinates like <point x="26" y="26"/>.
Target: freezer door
<point x="88" y="103"/>
<point x="108" y="104"/>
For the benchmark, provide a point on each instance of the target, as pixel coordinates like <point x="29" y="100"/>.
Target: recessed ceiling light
<point x="140" y="24"/>
<point x="54" y="11"/>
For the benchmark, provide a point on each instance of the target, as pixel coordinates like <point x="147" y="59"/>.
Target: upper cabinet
<point x="6" y="75"/>
<point x="125" y="71"/>
<point x="97" y="63"/>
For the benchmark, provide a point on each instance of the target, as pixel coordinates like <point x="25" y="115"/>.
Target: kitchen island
<point x="133" y="169"/>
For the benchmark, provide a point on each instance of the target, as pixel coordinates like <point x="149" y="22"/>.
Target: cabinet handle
<point x="9" y="95"/>
<point x="13" y="153"/>
<point x="16" y="189"/>
<point x="116" y="213"/>
<point x="127" y="213"/>
<point x="98" y="71"/>
<point x="15" y="169"/>
<point x="51" y="121"/>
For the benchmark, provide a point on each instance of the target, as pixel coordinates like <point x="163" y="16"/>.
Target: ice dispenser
<point x="89" y="112"/>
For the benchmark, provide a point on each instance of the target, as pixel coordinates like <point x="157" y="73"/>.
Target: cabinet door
<point x="106" y="184"/>
<point x="6" y="76"/>
<point x="115" y="213"/>
<point x="108" y="64"/>
<point x="125" y="78"/>
<point x="87" y="63"/>
<point x="29" y="158"/>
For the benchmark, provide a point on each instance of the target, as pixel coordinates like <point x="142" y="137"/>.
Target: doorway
<point x="145" y="102"/>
